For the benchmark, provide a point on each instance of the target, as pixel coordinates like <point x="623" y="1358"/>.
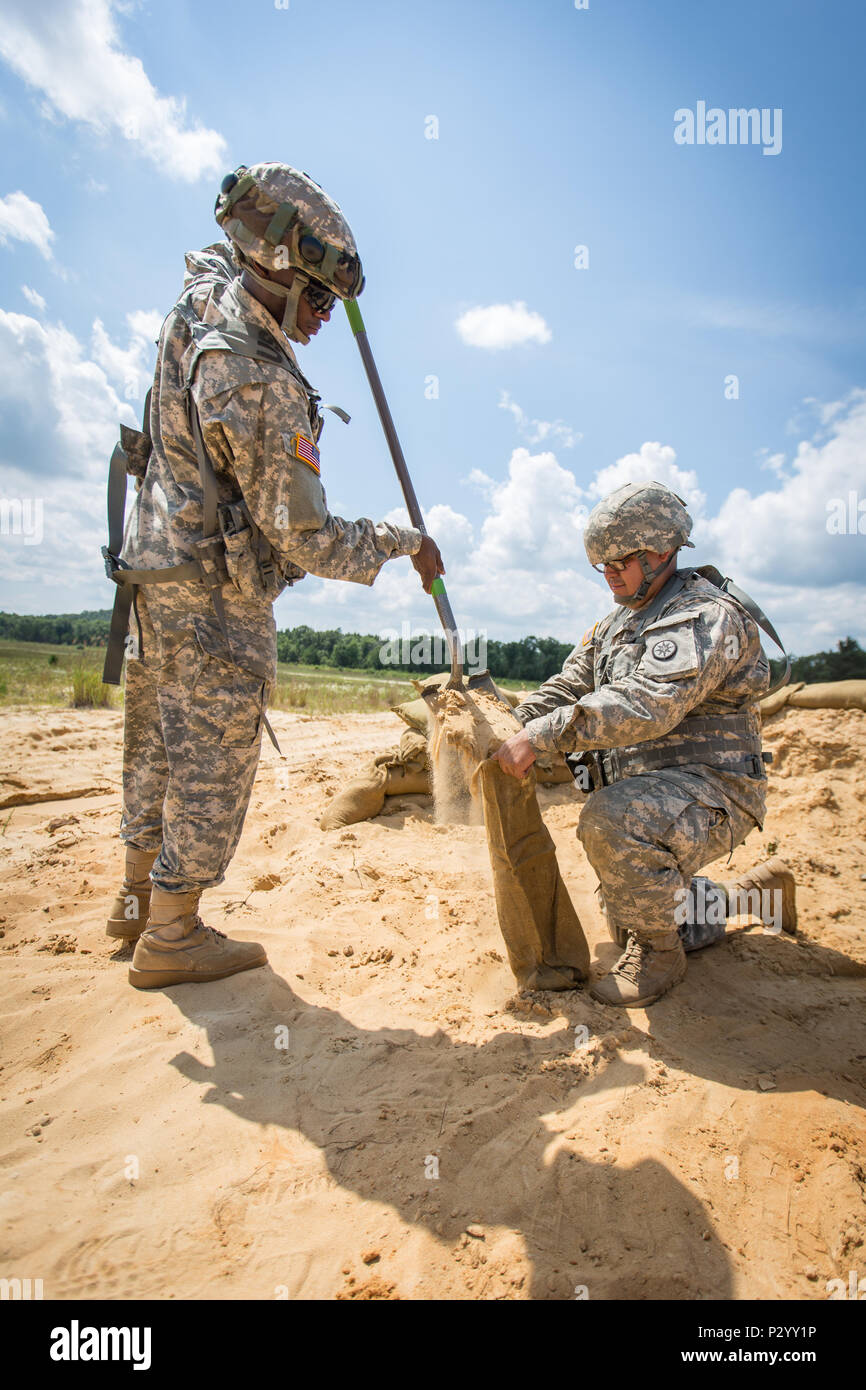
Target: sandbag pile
<point x="823" y="695"/>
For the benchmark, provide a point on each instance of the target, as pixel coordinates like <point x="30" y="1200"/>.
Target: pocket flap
<point x="672" y="653"/>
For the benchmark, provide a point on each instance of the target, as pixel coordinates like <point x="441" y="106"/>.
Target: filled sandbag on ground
<point x="830" y="695"/>
<point x="360" y="799"/>
<point x="779" y="698"/>
<point x="402" y="771"/>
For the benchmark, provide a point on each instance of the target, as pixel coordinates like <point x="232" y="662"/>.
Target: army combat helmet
<point x="278" y="218"/>
<point x="632" y="520"/>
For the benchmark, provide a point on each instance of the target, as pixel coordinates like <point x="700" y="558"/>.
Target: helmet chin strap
<point x="649" y="574"/>
<point x="291" y="293"/>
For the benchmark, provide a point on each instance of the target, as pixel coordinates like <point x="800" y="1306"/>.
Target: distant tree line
<point x="64" y="629"/>
<point x="530" y="659"/>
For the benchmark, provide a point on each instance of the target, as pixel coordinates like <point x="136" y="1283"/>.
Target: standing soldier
<point x="230" y="509"/>
<point x="660" y="698"/>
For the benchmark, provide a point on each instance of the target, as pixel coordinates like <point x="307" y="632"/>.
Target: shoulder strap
<point x="758" y="615"/>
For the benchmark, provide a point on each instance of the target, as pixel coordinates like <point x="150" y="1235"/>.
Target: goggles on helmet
<point x="345" y="274"/>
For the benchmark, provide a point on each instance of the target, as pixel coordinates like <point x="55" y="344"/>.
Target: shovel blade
<point x="482" y="680"/>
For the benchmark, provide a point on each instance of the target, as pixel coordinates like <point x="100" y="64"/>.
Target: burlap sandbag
<point x="402" y="771"/>
<point x="407" y="772"/>
<point x="543" y="936"/>
<point x="779" y="698"/>
<point x="830" y="695"/>
<point x="360" y="799"/>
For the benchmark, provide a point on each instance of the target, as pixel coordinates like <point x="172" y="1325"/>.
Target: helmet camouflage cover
<point x="638" y="516"/>
<point x="278" y="218"/>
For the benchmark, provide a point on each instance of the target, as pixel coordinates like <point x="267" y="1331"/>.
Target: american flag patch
<point x="305" y="449"/>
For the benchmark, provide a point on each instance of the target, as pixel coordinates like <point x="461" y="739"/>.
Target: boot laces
<point x="631" y="962"/>
<point x="209" y="931"/>
<point x="199" y="925"/>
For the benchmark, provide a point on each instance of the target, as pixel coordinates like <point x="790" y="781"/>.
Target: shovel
<point x="482" y="679"/>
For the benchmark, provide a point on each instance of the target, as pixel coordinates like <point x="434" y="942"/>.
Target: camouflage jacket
<point x="692" y="654"/>
<point x="251" y="414"/>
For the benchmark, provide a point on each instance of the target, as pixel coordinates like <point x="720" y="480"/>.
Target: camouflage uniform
<point x="194" y="708"/>
<point x="692" y="654"/>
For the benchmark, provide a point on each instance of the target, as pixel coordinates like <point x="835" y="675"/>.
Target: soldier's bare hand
<point x="516" y="755"/>
<point x="428" y="562"/>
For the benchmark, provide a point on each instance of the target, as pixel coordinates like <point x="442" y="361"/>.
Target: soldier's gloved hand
<point x="516" y="755"/>
<point x="428" y="562"/>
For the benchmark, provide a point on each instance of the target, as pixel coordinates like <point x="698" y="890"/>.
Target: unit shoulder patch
<point x="671" y="651"/>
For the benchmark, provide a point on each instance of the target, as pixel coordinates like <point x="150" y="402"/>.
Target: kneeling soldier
<point x="660" y="702"/>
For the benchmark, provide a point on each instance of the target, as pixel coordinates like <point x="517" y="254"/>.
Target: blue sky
<point x="556" y="383"/>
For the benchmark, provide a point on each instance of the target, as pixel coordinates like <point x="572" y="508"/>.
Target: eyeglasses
<point x="319" y="298"/>
<point x="618" y="565"/>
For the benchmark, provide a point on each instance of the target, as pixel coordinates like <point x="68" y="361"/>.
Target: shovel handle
<point x="437" y="590"/>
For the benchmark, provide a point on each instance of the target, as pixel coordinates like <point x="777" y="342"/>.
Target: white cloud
<point x="70" y="51"/>
<point x="132" y="367"/>
<point x="481" y="481"/>
<point x="502" y="326"/>
<point x="653" y="462"/>
<point x="34" y="297"/>
<point x="539" y="431"/>
<point x="61" y="411"/>
<point x="771" y="463"/>
<point x="23" y="220"/>
<point x="60" y="417"/>
<point x="780" y="537"/>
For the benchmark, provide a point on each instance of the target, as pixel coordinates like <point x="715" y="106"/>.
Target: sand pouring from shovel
<point x="482" y="679"/>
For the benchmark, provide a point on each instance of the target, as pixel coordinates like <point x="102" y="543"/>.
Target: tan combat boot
<point x="178" y="948"/>
<point x="772" y="876"/>
<point x="643" y="972"/>
<point x="129" y="914"/>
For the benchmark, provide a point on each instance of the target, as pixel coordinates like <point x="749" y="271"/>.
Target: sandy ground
<point x="279" y="1134"/>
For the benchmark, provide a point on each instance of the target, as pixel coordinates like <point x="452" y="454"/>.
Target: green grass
<point x="41" y="673"/>
<point x="29" y="675"/>
<point x="88" y="692"/>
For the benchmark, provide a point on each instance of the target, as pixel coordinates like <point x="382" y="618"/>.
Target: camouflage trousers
<point x="193" y="718"/>
<point x="647" y="836"/>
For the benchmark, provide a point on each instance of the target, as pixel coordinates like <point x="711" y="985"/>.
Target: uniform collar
<point x="241" y="304"/>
